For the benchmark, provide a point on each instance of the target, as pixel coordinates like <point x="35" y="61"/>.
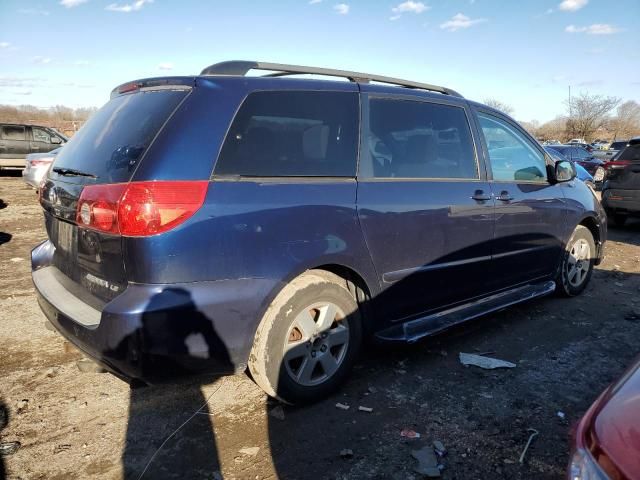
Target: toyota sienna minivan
<point x="222" y="223"/>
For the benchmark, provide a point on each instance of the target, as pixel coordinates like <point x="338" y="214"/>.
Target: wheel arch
<point x="592" y="224"/>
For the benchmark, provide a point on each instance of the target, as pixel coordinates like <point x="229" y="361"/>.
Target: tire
<point x="308" y="340"/>
<point x="577" y="263"/>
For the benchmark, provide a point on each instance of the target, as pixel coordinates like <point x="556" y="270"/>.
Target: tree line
<point x="587" y="116"/>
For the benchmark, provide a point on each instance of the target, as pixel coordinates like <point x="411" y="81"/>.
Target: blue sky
<point x="524" y="53"/>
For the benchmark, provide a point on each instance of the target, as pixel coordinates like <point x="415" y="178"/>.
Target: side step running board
<point x="414" y="330"/>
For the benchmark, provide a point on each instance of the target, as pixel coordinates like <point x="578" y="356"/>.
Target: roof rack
<point x="241" y="67"/>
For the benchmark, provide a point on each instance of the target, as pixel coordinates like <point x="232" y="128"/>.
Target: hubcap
<point x="579" y="262"/>
<point x="316" y="344"/>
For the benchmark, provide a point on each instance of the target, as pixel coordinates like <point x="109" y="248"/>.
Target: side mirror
<point x="56" y="140"/>
<point x="565" y="171"/>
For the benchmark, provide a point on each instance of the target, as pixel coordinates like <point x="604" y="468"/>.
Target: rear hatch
<point x="104" y="156"/>
<point x="623" y="172"/>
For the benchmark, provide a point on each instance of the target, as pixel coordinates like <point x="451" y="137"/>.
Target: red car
<point x="607" y="440"/>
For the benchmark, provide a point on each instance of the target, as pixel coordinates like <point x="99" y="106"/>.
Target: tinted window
<point x="631" y="153"/>
<point x="618" y="145"/>
<point x="410" y="139"/>
<point x="13" y="132"/>
<point x="580" y="153"/>
<point x="513" y="156"/>
<point x="40" y="135"/>
<point x="293" y="134"/>
<point x="114" y="139"/>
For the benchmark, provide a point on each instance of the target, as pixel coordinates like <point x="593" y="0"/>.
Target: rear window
<point x="11" y="132"/>
<point x="290" y="134"/>
<point x="631" y="153"/>
<point x="618" y="145"/>
<point x="112" y="142"/>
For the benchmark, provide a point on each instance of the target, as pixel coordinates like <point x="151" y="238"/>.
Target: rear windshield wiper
<point x="72" y="172"/>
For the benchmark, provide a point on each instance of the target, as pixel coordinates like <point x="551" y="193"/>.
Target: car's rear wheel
<point x="308" y="339"/>
<point x="577" y="263"/>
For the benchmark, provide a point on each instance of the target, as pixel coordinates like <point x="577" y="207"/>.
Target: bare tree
<point x="626" y="123"/>
<point x="587" y="113"/>
<point x="498" y="105"/>
<point x="552" y="130"/>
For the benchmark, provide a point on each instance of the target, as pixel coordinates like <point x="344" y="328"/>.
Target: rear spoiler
<point x="171" y="83"/>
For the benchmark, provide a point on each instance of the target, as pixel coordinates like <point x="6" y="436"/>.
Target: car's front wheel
<point x="577" y="263"/>
<point x="308" y="339"/>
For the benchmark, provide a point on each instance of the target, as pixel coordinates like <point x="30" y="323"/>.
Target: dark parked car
<point x="225" y="222"/>
<point x="17" y="141"/>
<point x="582" y="157"/>
<point x="607" y="439"/>
<point x="621" y="190"/>
<point x="610" y="152"/>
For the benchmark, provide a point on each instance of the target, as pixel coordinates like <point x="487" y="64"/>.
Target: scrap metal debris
<point x="427" y="462"/>
<point x="438" y="446"/>
<point x="365" y="409"/>
<point x="408" y="433"/>
<point x="342" y="406"/>
<point x="484" y="362"/>
<point x="8" y="448"/>
<point x="534" y="434"/>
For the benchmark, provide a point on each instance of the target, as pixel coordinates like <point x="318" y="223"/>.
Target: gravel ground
<point x="91" y="425"/>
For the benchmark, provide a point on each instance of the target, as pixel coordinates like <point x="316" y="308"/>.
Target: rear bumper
<point x="621" y="201"/>
<point x="13" y="162"/>
<point x="154" y="332"/>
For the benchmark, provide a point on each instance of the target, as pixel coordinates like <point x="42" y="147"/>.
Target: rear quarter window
<point x="11" y="132"/>
<point x="113" y="141"/>
<point x="631" y="153"/>
<point x="288" y="134"/>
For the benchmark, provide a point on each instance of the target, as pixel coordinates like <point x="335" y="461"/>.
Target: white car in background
<point x="37" y="165"/>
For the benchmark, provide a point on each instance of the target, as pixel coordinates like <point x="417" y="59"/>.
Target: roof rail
<point x="241" y="67"/>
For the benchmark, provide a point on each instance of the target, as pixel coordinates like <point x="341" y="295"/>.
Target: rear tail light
<point x="614" y="164"/>
<point x="40" y="162"/>
<point x="139" y="209"/>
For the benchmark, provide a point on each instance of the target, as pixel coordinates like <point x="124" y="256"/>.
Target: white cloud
<point x="410" y="7"/>
<point x="41" y="60"/>
<point x="459" y="21"/>
<point x="33" y="11"/>
<point x="341" y="8"/>
<point x="166" y="66"/>
<point x="314" y="2"/>
<point x="82" y="63"/>
<point x="5" y="44"/>
<point x="572" y="5"/>
<point x="72" y="3"/>
<point x="127" y="7"/>
<point x="595" y="29"/>
<point x="394" y="17"/>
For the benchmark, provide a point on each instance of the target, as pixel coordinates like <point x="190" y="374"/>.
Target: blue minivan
<point x="225" y="222"/>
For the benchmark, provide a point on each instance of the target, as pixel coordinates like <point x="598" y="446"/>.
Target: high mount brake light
<point x="128" y="87"/>
<point x="139" y="209"/>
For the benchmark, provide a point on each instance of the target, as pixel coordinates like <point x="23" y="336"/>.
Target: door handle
<point x="504" y="196"/>
<point x="480" y="196"/>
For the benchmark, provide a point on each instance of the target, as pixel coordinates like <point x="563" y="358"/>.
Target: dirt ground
<point x="74" y="425"/>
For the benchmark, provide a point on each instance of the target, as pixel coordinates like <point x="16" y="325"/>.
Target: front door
<point x="424" y="205"/>
<point x="530" y="211"/>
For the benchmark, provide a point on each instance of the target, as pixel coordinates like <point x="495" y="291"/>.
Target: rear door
<point x="107" y="150"/>
<point x="424" y="204"/>
<point x="530" y="211"/>
<point x="13" y="141"/>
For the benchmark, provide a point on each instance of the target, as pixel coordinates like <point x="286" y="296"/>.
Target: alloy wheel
<point x="316" y="344"/>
